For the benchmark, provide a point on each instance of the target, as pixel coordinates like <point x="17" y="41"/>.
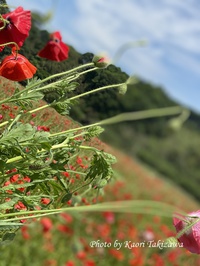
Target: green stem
<point x="74" y="129"/>
<point x="159" y="112"/>
<point x="96" y="90"/>
<point x="131" y="116"/>
<point x="139" y="115"/>
<point x="46" y="79"/>
<point x="9" y="43"/>
<point x="88" y="148"/>
<point x="136" y="206"/>
<point x="78" y="96"/>
<point x="5" y="123"/>
<point x="71" y="78"/>
<point x="39" y="108"/>
<point x="60" y="74"/>
<point x="4" y="23"/>
<point x="84" y="72"/>
<point x="75" y="172"/>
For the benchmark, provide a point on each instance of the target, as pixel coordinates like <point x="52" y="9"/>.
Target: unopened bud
<point x="175" y="124"/>
<point x="100" y="61"/>
<point x="122" y="89"/>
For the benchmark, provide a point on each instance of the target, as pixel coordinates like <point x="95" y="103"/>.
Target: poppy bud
<point x="55" y="49"/>
<point x="191" y="238"/>
<point x="100" y="61"/>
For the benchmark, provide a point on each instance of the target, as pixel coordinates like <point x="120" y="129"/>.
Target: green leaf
<point x="25" y="98"/>
<point x="62" y="107"/>
<point x="8" y="231"/>
<point x="9" y="204"/>
<point x="13" y="187"/>
<point x="19" y="132"/>
<point x="66" y="197"/>
<point x="100" y="166"/>
<point x="93" y="132"/>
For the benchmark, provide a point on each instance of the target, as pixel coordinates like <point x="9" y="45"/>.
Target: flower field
<point x="99" y="238"/>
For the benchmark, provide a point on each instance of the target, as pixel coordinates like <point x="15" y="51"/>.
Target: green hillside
<point x="172" y="153"/>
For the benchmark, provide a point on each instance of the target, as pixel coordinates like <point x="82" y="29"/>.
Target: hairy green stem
<point x="60" y="74"/>
<point x="159" y="112"/>
<point x="136" y="206"/>
<point x="131" y="116"/>
<point x="78" y="96"/>
<point x="9" y="99"/>
<point x="96" y="90"/>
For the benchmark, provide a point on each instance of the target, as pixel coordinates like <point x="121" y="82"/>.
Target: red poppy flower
<point x="191" y="238"/>
<point x="55" y="49"/>
<point x="17" y="68"/>
<point x="46" y="224"/>
<point x="17" y="26"/>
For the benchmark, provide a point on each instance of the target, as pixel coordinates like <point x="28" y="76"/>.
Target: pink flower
<point x="191" y="238"/>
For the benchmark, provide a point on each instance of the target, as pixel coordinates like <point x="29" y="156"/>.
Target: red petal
<point x="17" y="69"/>
<point x="21" y="19"/>
<point x="18" y="28"/>
<point x="55" y="51"/>
<point x="56" y="35"/>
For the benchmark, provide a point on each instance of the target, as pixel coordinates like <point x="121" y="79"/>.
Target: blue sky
<point x="170" y="59"/>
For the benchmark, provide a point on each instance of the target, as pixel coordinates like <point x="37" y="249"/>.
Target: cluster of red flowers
<point x="15" y="27"/>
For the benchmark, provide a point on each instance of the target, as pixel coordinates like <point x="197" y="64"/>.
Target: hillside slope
<point x="65" y="239"/>
<point x="174" y="154"/>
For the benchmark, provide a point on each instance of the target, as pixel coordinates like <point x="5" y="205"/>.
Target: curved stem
<point x="95" y="90"/>
<point x="9" y="43"/>
<point x="60" y="74"/>
<point x="5" y="21"/>
<point x="78" y="96"/>
<point x="136" y="206"/>
<point x="46" y="79"/>
<point x="159" y="112"/>
<point x="131" y="116"/>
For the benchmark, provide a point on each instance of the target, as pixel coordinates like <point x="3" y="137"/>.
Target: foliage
<point x="67" y="238"/>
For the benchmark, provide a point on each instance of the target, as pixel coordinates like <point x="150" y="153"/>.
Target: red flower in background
<point x="55" y="49"/>
<point x="16" y="67"/>
<point x="190" y="239"/>
<point x="17" y="27"/>
<point x="46" y="223"/>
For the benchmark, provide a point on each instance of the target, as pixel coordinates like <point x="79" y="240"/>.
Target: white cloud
<point x="106" y="25"/>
